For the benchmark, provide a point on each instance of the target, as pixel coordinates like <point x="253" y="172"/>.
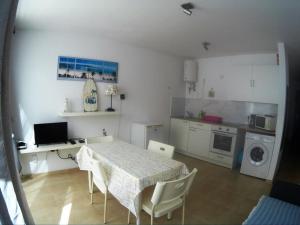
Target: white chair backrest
<point x="161" y="148"/>
<point x="99" y="175"/>
<point x="99" y="139"/>
<point x="169" y="191"/>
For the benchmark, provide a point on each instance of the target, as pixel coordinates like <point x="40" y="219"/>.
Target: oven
<point x="223" y="140"/>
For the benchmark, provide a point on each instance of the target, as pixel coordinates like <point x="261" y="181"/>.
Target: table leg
<point x="90" y="180"/>
<point x="138" y="208"/>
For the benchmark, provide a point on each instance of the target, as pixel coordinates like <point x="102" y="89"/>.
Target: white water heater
<point x="190" y="74"/>
<point x="190" y="71"/>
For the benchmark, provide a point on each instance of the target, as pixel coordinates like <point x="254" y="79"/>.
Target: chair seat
<point x="161" y="209"/>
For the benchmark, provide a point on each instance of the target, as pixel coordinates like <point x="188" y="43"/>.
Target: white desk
<point x="130" y="169"/>
<point x="48" y="148"/>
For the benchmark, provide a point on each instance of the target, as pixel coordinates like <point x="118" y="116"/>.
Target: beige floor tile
<point x="218" y="196"/>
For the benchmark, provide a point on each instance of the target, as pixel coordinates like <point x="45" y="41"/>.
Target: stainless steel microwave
<point x="266" y="122"/>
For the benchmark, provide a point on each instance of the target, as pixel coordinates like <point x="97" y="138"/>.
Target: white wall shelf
<point x="51" y="147"/>
<point x="80" y="114"/>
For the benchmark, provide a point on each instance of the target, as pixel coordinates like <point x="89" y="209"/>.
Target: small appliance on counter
<point x="265" y="122"/>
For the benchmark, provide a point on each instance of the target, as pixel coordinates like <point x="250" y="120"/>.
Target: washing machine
<point x="257" y="155"/>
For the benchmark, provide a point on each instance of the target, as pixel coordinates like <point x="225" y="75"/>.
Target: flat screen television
<point x="50" y="133"/>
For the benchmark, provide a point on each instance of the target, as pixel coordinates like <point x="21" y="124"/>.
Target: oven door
<point x="223" y="143"/>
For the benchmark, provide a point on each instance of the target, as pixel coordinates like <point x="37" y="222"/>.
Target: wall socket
<point x="122" y="96"/>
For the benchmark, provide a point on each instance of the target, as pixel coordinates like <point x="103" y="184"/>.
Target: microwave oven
<point x="266" y="122"/>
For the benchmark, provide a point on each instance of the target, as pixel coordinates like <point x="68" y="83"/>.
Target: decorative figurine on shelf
<point x="67" y="105"/>
<point x="111" y="90"/>
<point x="90" y="97"/>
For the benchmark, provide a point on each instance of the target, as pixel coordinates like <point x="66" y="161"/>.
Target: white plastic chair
<point x="97" y="175"/>
<point x="161" y="148"/>
<point x="167" y="197"/>
<point x="91" y="140"/>
<point x="99" y="139"/>
<point x="99" y="178"/>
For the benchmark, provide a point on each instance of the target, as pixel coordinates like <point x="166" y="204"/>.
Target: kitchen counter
<point x="258" y="131"/>
<point x="228" y="124"/>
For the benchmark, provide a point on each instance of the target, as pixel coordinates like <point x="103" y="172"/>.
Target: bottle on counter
<point x="201" y="115"/>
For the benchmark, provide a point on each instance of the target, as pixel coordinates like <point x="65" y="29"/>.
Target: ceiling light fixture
<point x="187" y="8"/>
<point x="205" y="45"/>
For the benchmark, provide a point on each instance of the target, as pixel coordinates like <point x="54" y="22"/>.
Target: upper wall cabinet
<point x="265" y="84"/>
<point x="213" y="82"/>
<point x="238" y="83"/>
<point x="254" y="83"/>
<point x="230" y="80"/>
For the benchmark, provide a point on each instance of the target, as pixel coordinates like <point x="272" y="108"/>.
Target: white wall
<point x="283" y="70"/>
<point x="148" y="79"/>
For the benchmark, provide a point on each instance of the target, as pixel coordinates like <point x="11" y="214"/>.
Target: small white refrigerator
<point x="141" y="133"/>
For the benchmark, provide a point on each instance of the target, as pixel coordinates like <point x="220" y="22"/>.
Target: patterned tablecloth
<point x="130" y="169"/>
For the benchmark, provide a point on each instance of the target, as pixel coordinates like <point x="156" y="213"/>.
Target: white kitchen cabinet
<point x="193" y="139"/>
<point x="199" y="139"/>
<point x="238" y="83"/>
<point x="256" y="83"/>
<point x="265" y="84"/>
<point x="214" y="78"/>
<point x="179" y="134"/>
<point x="141" y="133"/>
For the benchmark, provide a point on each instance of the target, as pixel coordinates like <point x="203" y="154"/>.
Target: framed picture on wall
<point x="71" y="68"/>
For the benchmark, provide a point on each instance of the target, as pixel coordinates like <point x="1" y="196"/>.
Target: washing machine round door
<point x="257" y="154"/>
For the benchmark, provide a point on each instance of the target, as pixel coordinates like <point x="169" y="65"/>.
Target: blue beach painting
<point x="71" y="68"/>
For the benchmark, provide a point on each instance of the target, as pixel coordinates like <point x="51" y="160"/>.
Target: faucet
<point x="189" y="114"/>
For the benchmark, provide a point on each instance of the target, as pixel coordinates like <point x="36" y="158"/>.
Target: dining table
<point x="130" y="169"/>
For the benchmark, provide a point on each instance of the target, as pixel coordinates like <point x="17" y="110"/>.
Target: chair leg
<point x="128" y="218"/>
<point x="105" y="204"/>
<point x="169" y="216"/>
<point x="152" y="219"/>
<point x="91" y="193"/>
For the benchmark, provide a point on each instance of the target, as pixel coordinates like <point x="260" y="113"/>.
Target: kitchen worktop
<point x="229" y="124"/>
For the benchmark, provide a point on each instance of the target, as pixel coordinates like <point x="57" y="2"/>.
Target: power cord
<point x="70" y="156"/>
<point x="119" y="119"/>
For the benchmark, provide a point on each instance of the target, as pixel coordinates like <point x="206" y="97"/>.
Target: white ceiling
<point x="232" y="26"/>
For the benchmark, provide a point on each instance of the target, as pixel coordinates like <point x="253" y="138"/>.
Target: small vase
<point x="66" y="105"/>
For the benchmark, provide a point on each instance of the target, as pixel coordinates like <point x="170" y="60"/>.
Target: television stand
<point x="51" y="147"/>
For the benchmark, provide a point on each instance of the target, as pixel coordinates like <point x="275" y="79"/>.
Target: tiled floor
<point x="218" y="196"/>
